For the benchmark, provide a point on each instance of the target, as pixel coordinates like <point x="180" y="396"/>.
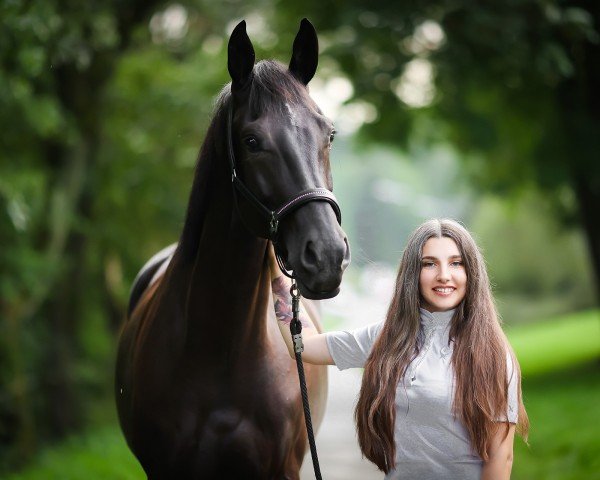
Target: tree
<point x="103" y="105"/>
<point x="56" y="58"/>
<point x="513" y="84"/>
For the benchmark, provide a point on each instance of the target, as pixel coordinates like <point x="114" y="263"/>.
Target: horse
<point x="205" y="387"/>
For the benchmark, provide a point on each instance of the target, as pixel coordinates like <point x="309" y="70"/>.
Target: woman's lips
<point x="444" y="291"/>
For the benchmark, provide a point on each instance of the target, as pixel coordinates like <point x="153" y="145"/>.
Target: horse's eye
<point x="332" y="136"/>
<point x="252" y="144"/>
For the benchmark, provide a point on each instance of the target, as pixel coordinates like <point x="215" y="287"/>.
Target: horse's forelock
<point x="274" y="88"/>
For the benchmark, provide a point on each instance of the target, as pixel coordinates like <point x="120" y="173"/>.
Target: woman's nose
<point x="443" y="274"/>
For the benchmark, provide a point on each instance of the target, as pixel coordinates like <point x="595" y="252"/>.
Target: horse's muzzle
<point x="311" y="295"/>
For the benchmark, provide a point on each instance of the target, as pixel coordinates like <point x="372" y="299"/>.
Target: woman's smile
<point x="444" y="291"/>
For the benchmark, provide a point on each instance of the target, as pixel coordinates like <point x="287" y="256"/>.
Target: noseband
<point x="271" y="218"/>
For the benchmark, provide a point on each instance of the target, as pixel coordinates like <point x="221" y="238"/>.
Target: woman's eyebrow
<point x="429" y="257"/>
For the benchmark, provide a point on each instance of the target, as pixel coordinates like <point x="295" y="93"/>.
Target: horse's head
<point x="281" y="142"/>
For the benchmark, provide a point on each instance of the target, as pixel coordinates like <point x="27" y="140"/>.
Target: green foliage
<point x="514" y="237"/>
<point x="536" y="267"/>
<point x="100" y="127"/>
<point x="497" y="69"/>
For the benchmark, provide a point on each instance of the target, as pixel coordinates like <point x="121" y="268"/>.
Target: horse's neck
<point x="227" y="285"/>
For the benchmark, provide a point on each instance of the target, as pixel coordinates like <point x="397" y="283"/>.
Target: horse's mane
<point x="272" y="87"/>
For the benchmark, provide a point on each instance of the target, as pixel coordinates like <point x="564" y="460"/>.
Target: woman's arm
<point x="315" y="343"/>
<point x="499" y="464"/>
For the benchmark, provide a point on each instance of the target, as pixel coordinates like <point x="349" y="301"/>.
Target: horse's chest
<point x="222" y="416"/>
<point x="236" y="438"/>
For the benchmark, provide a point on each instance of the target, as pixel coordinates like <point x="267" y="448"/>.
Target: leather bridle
<point x="271" y="218"/>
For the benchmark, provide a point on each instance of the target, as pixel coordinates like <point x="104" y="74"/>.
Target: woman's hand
<point x="315" y="344"/>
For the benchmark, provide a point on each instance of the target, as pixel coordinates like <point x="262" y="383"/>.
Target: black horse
<point x="205" y="387"/>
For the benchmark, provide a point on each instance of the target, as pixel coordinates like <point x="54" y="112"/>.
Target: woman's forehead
<point x="442" y="247"/>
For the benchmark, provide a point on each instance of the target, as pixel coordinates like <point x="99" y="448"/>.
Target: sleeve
<point x="512" y="409"/>
<point x="513" y="390"/>
<point x="350" y="349"/>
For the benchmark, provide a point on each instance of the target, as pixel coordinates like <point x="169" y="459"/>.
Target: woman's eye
<point x="428" y="264"/>
<point x="456" y="264"/>
<point x="252" y="144"/>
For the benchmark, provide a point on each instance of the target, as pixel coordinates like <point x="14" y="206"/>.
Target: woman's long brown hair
<point x="479" y="359"/>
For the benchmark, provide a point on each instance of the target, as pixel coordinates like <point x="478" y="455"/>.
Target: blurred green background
<point x="488" y="113"/>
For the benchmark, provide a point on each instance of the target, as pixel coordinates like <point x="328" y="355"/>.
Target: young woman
<point x="441" y="395"/>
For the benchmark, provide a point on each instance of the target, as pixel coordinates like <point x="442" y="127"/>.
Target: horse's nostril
<point x="309" y="258"/>
<point x="346" y="254"/>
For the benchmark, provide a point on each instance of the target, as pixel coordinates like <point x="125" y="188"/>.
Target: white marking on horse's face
<point x="293" y="115"/>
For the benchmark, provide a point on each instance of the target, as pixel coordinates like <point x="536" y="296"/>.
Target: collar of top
<point x="435" y="319"/>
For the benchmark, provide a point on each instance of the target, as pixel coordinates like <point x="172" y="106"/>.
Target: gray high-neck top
<point x="430" y="442"/>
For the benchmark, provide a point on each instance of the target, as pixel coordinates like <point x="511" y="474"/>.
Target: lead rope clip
<point x="296" y="325"/>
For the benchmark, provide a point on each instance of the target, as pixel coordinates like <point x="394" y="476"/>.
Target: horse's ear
<point x="305" y="53"/>
<point x="240" y="58"/>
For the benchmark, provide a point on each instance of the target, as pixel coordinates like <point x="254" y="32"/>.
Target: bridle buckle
<point x="273" y="224"/>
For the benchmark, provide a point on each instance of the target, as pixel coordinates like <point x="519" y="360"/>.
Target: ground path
<point x="339" y="455"/>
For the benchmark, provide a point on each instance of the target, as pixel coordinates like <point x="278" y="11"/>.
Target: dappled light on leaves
<point x="415" y="87"/>
<point x="169" y="25"/>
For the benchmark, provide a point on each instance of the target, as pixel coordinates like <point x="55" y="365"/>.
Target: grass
<point x="552" y="345"/>
<point x="564" y="440"/>
<point x="559" y="360"/>
<point x="561" y="390"/>
<point x="101" y="454"/>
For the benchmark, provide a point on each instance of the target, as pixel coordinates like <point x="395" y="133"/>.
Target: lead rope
<point x="296" y="331"/>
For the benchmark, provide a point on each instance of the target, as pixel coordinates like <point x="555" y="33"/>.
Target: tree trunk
<point x="18" y="421"/>
<point x="589" y="207"/>
<point x="61" y="310"/>
<point x="579" y="100"/>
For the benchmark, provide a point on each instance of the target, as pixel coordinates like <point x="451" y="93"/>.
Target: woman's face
<point x="443" y="279"/>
